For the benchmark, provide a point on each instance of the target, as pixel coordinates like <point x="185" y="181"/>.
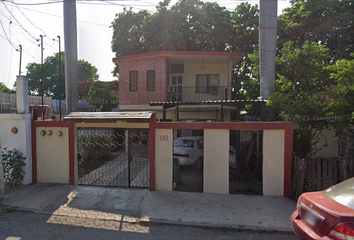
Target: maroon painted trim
<point x="224" y="125"/>
<point x="288" y="158"/>
<point x="152" y="133"/>
<point x="71" y="154"/>
<point x="186" y="53"/>
<point x="34" y="152"/>
<point x="71" y="128"/>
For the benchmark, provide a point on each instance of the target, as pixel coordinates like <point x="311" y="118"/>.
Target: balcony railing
<point x="196" y="94"/>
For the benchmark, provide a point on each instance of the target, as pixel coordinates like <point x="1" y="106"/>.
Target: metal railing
<point x="196" y="94"/>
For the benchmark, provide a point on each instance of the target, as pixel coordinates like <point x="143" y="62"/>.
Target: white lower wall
<point x="273" y="162"/>
<point x="164" y="159"/>
<point x="53" y="155"/>
<point x="20" y="140"/>
<point x="216" y="161"/>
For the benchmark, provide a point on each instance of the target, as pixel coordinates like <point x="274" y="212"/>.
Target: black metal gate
<point x="245" y="162"/>
<point x="113" y="157"/>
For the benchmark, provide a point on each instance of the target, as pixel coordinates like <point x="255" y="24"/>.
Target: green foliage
<point x="299" y="92"/>
<point x="329" y="23"/>
<point x="4" y="89"/>
<point x="13" y="162"/>
<point x="101" y="96"/>
<point x="86" y="72"/>
<point x="342" y="93"/>
<point x="96" y="146"/>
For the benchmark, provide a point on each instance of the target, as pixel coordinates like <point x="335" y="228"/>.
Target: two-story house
<point x="178" y="85"/>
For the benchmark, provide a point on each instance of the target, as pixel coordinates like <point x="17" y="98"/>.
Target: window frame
<point x="208" y="86"/>
<point x="131" y="83"/>
<point x="153" y="81"/>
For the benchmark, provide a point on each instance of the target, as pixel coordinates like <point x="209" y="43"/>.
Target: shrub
<point x="13" y="161"/>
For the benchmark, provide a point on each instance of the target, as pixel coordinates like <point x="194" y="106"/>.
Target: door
<point x="177" y="83"/>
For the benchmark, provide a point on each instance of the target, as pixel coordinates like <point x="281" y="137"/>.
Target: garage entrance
<point x="245" y="162"/>
<point x="188" y="155"/>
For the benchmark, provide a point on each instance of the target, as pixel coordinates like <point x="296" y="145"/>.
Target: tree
<point x="86" y="72"/>
<point x="342" y="94"/>
<point x="101" y="97"/>
<point x="300" y="92"/>
<point x="5" y="89"/>
<point x="329" y="23"/>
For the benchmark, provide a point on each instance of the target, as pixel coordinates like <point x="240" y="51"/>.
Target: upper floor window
<point x="177" y="68"/>
<point x="151" y="80"/>
<point x="207" y="83"/>
<point x="133" y="81"/>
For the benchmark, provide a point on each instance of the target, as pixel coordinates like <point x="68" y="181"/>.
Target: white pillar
<point x="22" y="94"/>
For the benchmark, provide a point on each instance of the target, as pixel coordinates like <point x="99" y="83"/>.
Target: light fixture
<point x="60" y="133"/>
<point x="49" y="132"/>
<point x="203" y="65"/>
<point x="42" y="132"/>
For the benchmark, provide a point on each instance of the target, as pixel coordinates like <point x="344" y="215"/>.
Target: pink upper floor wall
<point x="142" y="96"/>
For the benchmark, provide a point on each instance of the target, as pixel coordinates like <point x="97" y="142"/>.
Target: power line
<point x="7" y="38"/>
<point x="17" y="20"/>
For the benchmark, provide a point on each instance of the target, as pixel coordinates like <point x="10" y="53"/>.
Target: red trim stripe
<point x="185" y="53"/>
<point x="34" y="152"/>
<point x="152" y="133"/>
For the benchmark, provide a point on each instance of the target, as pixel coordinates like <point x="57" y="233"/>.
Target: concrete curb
<point x="238" y="228"/>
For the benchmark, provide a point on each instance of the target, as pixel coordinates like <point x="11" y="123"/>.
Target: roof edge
<point x="162" y="53"/>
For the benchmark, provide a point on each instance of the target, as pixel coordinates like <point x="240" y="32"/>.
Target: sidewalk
<point x="242" y="212"/>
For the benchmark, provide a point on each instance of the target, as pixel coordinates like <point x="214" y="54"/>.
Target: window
<point x="151" y="80"/>
<point x="177" y="68"/>
<point x="207" y="83"/>
<point x="133" y="81"/>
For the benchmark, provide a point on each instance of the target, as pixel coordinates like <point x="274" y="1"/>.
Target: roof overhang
<point x="188" y="56"/>
<point x="229" y="103"/>
<point x="108" y="117"/>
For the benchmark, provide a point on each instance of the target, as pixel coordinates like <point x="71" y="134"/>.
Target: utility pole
<point x="42" y="79"/>
<point x="19" y="72"/>
<point x="71" y="67"/>
<point x="59" y="79"/>
<point x="267" y="49"/>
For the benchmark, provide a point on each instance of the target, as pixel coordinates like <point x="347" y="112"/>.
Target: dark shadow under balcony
<point x="196" y="94"/>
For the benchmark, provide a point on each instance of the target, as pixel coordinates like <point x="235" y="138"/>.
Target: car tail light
<point x="342" y="231"/>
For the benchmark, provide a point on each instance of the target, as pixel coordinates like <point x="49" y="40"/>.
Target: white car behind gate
<point x="189" y="152"/>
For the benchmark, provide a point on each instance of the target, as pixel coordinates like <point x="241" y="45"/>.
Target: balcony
<point x="196" y="94"/>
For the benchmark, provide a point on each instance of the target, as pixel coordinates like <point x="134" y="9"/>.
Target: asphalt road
<point x="25" y="225"/>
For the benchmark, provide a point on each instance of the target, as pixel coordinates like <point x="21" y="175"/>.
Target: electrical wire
<point x="17" y="20"/>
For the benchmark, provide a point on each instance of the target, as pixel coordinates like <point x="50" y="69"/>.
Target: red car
<point x="327" y="214"/>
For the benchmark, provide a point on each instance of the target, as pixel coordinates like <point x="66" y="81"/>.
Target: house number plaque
<point x="164" y="138"/>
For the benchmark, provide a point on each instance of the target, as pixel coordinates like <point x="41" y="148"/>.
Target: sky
<point x="23" y="21"/>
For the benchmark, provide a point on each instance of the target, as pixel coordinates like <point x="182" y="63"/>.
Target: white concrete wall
<point x="164" y="159"/>
<point x="273" y="162"/>
<point x="216" y="161"/>
<point x="53" y="155"/>
<point x="20" y="140"/>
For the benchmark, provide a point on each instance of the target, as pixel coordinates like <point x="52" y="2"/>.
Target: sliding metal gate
<point x="113" y="157"/>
